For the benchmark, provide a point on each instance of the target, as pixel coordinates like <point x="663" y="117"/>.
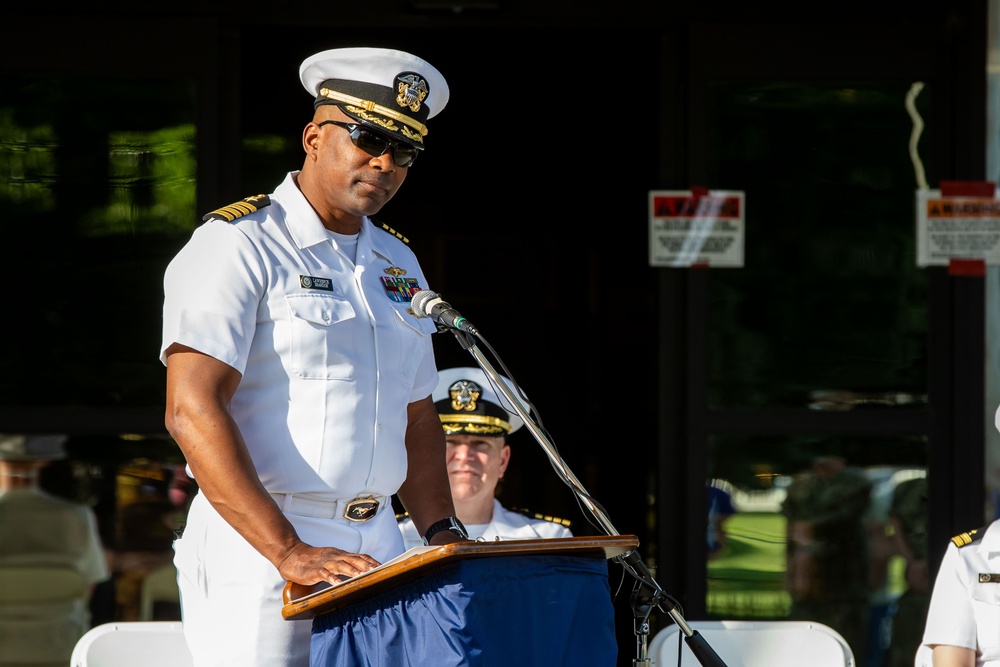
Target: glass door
<point x="818" y="389"/>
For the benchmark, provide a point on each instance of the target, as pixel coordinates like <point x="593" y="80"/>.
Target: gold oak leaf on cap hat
<point x="392" y="91"/>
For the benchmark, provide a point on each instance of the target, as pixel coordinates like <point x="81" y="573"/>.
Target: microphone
<point x="426" y="303"/>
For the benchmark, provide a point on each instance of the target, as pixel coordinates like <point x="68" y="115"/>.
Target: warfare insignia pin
<point x="395" y="271"/>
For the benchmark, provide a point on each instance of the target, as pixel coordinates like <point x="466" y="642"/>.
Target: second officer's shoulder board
<point x="967" y="538"/>
<point x="238" y="209"/>
<point x="543" y="517"/>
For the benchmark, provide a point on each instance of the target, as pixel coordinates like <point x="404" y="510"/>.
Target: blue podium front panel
<point x="512" y="611"/>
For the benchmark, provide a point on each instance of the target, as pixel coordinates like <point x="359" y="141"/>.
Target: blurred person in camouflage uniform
<point x="909" y="519"/>
<point x="827" y="558"/>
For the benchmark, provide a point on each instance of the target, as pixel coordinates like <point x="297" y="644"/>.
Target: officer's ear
<point x="310" y="138"/>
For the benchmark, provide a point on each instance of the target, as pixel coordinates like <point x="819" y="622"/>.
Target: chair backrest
<point x="755" y="644"/>
<point x="133" y="644"/>
<point x="25" y="584"/>
<point x="160" y="585"/>
<point x="43" y="612"/>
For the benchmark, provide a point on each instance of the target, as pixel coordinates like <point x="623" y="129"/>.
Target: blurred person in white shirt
<point x="39" y="529"/>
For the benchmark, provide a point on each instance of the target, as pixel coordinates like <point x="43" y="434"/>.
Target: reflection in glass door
<point x="823" y="335"/>
<point x="832" y="530"/>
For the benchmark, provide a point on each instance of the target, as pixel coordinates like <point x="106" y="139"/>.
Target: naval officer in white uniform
<point x="299" y="379"/>
<point x="476" y="430"/>
<point x="963" y="621"/>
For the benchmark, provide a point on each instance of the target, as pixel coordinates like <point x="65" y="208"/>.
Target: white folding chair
<point x="133" y="644"/>
<point x="755" y="644"/>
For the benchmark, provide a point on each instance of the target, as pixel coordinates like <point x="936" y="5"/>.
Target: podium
<point x="470" y="604"/>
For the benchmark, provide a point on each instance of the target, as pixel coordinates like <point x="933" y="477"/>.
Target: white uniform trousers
<point x="231" y="596"/>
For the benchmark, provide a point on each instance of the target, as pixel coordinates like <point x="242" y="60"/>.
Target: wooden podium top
<point x="303" y="602"/>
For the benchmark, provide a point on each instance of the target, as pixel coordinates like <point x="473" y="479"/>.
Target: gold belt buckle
<point x="361" y="509"/>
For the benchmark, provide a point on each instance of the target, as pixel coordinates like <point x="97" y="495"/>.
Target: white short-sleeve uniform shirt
<point x="330" y="357"/>
<point x="965" y="602"/>
<point x="329" y="353"/>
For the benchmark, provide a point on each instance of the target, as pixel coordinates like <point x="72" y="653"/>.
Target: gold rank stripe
<point x="240" y="208"/>
<point x="535" y="515"/>
<point x="964" y="539"/>
<point x="395" y="233"/>
<point x="545" y="517"/>
<point x="553" y="519"/>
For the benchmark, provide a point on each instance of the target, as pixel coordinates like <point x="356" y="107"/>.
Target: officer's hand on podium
<point x="308" y="565"/>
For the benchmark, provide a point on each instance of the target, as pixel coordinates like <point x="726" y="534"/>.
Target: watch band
<point x="448" y="523"/>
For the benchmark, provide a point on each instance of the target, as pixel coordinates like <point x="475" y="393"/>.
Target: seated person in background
<point x="38" y="529"/>
<point x="476" y="429"/>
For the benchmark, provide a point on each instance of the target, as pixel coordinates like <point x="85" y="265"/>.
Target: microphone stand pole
<point x="631" y="561"/>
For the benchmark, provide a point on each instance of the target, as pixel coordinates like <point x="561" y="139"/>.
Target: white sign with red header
<point x="957" y="227"/>
<point x="704" y="228"/>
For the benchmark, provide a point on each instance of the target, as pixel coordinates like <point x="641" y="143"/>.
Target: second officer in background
<point x="477" y="429"/>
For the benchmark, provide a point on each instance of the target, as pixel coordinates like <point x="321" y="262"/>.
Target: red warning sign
<point x="961" y="227"/>
<point x="696" y="228"/>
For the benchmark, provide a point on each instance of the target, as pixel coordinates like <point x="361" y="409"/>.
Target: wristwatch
<point x="448" y="523"/>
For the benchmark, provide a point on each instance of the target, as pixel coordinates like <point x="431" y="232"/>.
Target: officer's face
<point x="347" y="179"/>
<point x="475" y="464"/>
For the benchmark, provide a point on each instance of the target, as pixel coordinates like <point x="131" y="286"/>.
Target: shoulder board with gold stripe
<point x="965" y="539"/>
<point x="543" y="517"/>
<point x="392" y="231"/>
<point x="238" y="209"/>
<point x="402" y="515"/>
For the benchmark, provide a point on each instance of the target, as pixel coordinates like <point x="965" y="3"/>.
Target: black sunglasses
<point x="373" y="143"/>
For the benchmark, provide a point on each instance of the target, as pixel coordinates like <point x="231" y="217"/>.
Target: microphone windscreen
<point x="419" y="302"/>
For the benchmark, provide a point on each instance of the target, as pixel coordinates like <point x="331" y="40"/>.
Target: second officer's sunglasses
<point x="373" y="143"/>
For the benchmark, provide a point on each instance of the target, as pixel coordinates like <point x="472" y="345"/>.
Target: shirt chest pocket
<point x="405" y="340"/>
<point x="986" y="608"/>
<point x="322" y="335"/>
